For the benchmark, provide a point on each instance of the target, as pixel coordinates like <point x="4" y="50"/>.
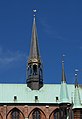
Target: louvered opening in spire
<point x="34" y="50"/>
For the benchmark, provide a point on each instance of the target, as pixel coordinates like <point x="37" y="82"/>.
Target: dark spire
<point x="63" y="72"/>
<point x="34" y="66"/>
<point x="34" y="49"/>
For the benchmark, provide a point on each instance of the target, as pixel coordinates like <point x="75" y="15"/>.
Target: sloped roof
<point x="47" y="94"/>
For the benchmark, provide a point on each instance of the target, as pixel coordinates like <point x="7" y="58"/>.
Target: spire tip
<point x="76" y="72"/>
<point x="34" y="12"/>
<point x="76" y="78"/>
<point x="63" y="58"/>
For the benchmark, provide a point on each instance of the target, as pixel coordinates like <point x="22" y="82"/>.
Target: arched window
<point x="57" y="115"/>
<point x="36" y="114"/>
<point x="15" y="114"/>
<point x="29" y="70"/>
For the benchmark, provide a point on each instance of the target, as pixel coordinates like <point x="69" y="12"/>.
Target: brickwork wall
<point x="26" y="111"/>
<point x="47" y="112"/>
<point x="77" y="114"/>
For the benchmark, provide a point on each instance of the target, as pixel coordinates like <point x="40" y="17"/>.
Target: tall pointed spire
<point x="63" y="72"/>
<point x="77" y="101"/>
<point x="34" y="66"/>
<point x="63" y="90"/>
<point x="34" y="50"/>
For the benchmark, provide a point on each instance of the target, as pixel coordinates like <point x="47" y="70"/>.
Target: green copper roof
<point x="64" y="93"/>
<point x="26" y="95"/>
<point x="63" y="90"/>
<point x="77" y="101"/>
<point x="47" y="94"/>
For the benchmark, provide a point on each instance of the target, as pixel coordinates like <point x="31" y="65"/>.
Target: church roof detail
<point x="47" y="94"/>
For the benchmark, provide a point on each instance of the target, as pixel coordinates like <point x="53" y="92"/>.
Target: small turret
<point x="63" y="91"/>
<point x="64" y="99"/>
<point x="77" y="107"/>
<point x="77" y="101"/>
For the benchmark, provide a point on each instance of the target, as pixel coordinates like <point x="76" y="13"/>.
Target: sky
<point x="59" y="27"/>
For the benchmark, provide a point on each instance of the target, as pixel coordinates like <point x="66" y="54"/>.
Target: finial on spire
<point x="76" y="78"/>
<point x="63" y="58"/>
<point x="63" y="72"/>
<point x="34" y="12"/>
<point x="76" y="72"/>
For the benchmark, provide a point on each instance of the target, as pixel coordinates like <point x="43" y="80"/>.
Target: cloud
<point x="8" y="57"/>
<point x="80" y="47"/>
<point x="50" y="30"/>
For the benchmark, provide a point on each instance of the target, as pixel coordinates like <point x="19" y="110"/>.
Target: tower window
<point x="15" y="114"/>
<point x="30" y="70"/>
<point x="34" y="69"/>
<point x="36" y="114"/>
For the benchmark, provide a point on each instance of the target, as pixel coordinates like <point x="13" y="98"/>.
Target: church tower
<point x="34" y="65"/>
